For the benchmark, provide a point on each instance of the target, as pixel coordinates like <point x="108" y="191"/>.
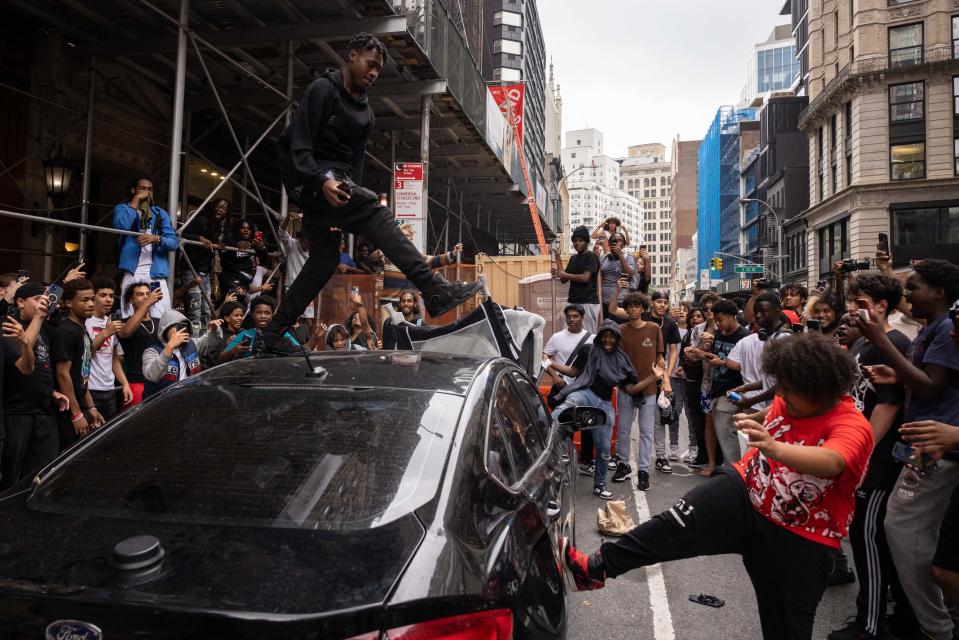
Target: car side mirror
<point x="582" y="418"/>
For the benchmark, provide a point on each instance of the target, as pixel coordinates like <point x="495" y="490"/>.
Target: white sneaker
<point x="674" y="453"/>
<point x="691" y="454"/>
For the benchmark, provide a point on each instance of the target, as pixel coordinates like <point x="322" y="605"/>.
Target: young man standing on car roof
<point x="321" y="157"/>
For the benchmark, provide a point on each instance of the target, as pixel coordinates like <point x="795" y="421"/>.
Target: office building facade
<point x="684" y="171"/>
<point x="646" y="175"/>
<point x="772" y="67"/>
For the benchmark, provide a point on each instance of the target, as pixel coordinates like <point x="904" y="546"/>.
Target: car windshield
<point x="291" y="457"/>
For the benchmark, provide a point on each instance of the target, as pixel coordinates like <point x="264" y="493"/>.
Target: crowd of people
<point x="815" y="416"/>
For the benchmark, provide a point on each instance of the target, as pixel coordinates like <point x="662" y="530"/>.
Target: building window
<point x="955" y="122"/>
<point x="509" y="18"/>
<point x="929" y="230"/>
<point x="833" y="153"/>
<point x="833" y="246"/>
<point x="906" y="102"/>
<point x="507" y="75"/>
<point x="907" y="161"/>
<point x="795" y="252"/>
<point x="508" y="46"/>
<point x="955" y="36"/>
<point x="847" y="142"/>
<point x="905" y="45"/>
<point x="822" y="163"/>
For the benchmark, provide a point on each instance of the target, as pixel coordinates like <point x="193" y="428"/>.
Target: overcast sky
<point x="643" y="71"/>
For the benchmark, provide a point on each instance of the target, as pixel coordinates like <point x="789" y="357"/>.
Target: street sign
<point x="408" y="190"/>
<point x="745" y="285"/>
<point x="748" y="268"/>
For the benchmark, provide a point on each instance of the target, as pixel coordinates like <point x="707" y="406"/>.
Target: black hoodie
<point x="328" y="132"/>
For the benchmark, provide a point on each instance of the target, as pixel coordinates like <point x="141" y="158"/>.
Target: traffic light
<point x="712" y="264"/>
<point x="719" y="264"/>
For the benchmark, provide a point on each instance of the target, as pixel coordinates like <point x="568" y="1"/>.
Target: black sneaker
<point x="642" y="480"/>
<point x="623" y="471"/>
<point x="449" y="295"/>
<point x="663" y="466"/>
<point x="267" y="342"/>
<point x="856" y="630"/>
<point x="841" y="572"/>
<point x="587" y="468"/>
<point x="586" y="574"/>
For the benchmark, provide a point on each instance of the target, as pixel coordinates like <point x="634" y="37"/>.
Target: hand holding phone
<point x="883" y="245"/>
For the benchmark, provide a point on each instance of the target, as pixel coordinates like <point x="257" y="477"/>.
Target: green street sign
<point x="748" y="268"/>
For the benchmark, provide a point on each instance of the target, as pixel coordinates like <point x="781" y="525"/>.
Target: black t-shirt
<point x="693" y="369"/>
<point x="583" y="292"/>
<point x="133" y="348"/>
<point x="33" y="394"/>
<point x="883" y="468"/>
<point x="724" y="378"/>
<point x="73" y="343"/>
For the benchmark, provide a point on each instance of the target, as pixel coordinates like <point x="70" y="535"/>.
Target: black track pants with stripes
<point x="788" y="572"/>
<point x="874" y="566"/>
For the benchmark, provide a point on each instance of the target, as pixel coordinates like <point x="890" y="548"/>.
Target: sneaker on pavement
<point x="642" y="480"/>
<point x="449" y="295"/>
<point x="698" y="462"/>
<point x="663" y="466"/>
<point x="674" y="453"/>
<point x="614" y="462"/>
<point x="587" y="468"/>
<point x="586" y="575"/>
<point x="602" y="492"/>
<point x="856" y="630"/>
<point x="623" y="471"/>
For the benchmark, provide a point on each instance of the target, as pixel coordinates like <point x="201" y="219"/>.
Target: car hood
<point x="234" y="569"/>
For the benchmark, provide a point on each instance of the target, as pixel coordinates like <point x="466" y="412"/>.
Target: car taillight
<point x="496" y="624"/>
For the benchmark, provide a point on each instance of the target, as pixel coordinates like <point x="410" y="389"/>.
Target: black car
<point x="366" y="495"/>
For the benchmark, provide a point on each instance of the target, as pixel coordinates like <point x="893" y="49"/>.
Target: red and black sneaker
<point x="585" y="574"/>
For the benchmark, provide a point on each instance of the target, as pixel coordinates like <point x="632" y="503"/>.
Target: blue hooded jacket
<point x="128" y="218"/>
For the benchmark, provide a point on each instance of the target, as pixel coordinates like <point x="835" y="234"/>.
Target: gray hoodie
<point x="154" y="366"/>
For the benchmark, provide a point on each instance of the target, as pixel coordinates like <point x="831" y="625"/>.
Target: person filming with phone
<point x="174" y="354"/>
<point x="145" y="257"/>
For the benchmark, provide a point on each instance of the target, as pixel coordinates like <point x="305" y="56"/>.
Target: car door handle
<point x="553" y="510"/>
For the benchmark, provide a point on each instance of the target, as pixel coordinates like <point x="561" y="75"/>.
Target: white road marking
<point x="658" y="596"/>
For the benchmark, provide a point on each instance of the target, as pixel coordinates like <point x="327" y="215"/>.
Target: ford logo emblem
<point x="73" y="630"/>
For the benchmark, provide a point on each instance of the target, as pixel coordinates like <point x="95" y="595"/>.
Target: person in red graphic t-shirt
<point x="783" y="507"/>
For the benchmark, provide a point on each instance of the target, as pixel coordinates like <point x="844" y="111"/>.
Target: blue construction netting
<point x="718" y="189"/>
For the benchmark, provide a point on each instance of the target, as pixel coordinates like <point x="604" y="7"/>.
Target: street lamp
<point x="57" y="173"/>
<point x="779" y="231"/>
<point x="560" y="182"/>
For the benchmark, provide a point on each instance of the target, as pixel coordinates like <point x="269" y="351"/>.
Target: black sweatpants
<point x="788" y="572"/>
<point x="363" y="215"/>
<point x="105" y="402"/>
<point x="874" y="566"/>
<point x="31" y="441"/>
<point x="695" y="416"/>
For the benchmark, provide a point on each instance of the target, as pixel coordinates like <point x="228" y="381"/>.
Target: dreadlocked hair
<point x="792" y="360"/>
<point x="366" y="42"/>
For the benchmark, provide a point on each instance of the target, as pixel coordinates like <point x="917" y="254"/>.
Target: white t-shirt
<point x="101" y="364"/>
<point x="257" y="280"/>
<point x="144" y="262"/>
<point x="748" y="352"/>
<point x="562" y="344"/>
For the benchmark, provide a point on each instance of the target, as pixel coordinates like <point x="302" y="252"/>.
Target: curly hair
<point x="878" y="287"/>
<point x="726" y="307"/>
<point x="709" y="298"/>
<point x="795" y="287"/>
<point x="769" y="297"/>
<point x="366" y="42"/>
<point x="71" y="288"/>
<point x="942" y="274"/>
<point x="131" y="288"/>
<point x="263" y="299"/>
<point x="102" y="282"/>
<point x="833" y="299"/>
<point x="636" y="299"/>
<point x="791" y="362"/>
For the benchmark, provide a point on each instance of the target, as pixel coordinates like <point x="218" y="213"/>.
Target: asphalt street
<point x="654" y="602"/>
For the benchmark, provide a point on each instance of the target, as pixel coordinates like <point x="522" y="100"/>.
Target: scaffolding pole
<point x="425" y="159"/>
<point x="87" y="158"/>
<point x="284" y="198"/>
<point x="88" y="227"/>
<point x="176" y="135"/>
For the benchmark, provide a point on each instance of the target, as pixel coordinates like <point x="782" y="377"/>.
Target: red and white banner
<point x="509" y="98"/>
<point x="408" y="190"/>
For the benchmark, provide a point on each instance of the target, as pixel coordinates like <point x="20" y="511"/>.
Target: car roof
<point x="415" y="371"/>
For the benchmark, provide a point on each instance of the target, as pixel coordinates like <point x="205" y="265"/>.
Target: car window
<point x="499" y="457"/>
<point x="518" y="425"/>
<point x="534" y="405"/>
<point x="278" y="457"/>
